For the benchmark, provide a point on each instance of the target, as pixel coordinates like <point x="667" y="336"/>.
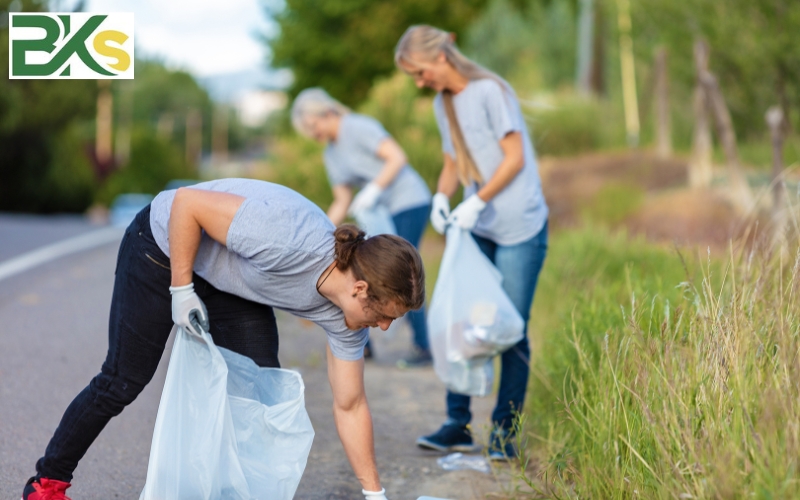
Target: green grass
<point x="656" y="375"/>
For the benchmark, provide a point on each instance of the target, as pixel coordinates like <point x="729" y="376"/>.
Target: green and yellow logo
<point x="70" y="46"/>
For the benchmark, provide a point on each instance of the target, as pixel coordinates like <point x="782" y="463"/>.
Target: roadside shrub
<point x="567" y="125"/>
<point x="664" y="379"/>
<point x="296" y="162"/>
<point x="69" y="184"/>
<point x="153" y="163"/>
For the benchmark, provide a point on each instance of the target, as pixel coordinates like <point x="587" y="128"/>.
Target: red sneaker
<point x="45" y="489"/>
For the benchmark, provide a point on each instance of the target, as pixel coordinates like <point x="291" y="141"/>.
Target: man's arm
<point x="353" y="419"/>
<point x="195" y="211"/>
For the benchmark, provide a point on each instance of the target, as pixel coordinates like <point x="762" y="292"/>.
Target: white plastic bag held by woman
<point x="471" y="318"/>
<point x="376" y="220"/>
<point x="226" y="429"/>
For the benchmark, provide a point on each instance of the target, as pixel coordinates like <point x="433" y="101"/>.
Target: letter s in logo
<point x="100" y="44"/>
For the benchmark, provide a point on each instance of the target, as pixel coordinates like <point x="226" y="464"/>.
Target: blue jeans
<point x="410" y="224"/>
<point x="520" y="265"/>
<point x="139" y="325"/>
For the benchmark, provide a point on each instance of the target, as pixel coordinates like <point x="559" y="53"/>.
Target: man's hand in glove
<point x="188" y="311"/>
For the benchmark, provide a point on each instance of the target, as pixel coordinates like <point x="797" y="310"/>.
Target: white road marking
<point x="47" y="253"/>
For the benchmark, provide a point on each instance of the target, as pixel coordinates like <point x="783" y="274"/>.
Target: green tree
<point x="531" y="45"/>
<point x="754" y="50"/>
<point x="38" y="121"/>
<point x="343" y="45"/>
<point x="159" y="94"/>
<point x="154" y="162"/>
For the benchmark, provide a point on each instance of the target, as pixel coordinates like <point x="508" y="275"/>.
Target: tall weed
<point x="659" y="378"/>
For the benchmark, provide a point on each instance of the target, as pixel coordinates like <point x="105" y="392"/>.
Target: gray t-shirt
<point x="352" y="160"/>
<point x="486" y="113"/>
<point x="279" y="243"/>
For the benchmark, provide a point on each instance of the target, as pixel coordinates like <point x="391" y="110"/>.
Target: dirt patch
<point x="703" y="218"/>
<point x="669" y="212"/>
<point x="570" y="184"/>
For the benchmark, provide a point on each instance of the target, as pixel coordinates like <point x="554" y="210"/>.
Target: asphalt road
<point x="53" y="339"/>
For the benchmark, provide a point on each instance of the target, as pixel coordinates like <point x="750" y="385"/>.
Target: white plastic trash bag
<point x="375" y="221"/>
<point x="226" y="428"/>
<point x="471" y="319"/>
<point x="473" y="377"/>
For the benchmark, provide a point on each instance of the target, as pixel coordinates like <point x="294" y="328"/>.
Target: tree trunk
<point x="122" y="143"/>
<point x="105" y="104"/>
<point x="700" y="171"/>
<point x="194" y="136"/>
<point x="219" y="135"/>
<point x="597" y="79"/>
<point x="663" y="123"/>
<point x="627" y="63"/>
<point x="775" y="119"/>
<point x="166" y="126"/>
<point x="727" y="137"/>
<point x="583" y="67"/>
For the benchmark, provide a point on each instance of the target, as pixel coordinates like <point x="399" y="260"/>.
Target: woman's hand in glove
<point x="366" y="198"/>
<point x="467" y="212"/>
<point x="440" y="211"/>
<point x="374" y="495"/>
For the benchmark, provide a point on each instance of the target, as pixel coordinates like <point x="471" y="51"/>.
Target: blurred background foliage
<point x="343" y="45"/>
<point x="47" y="128"/>
<point x="47" y="133"/>
<point x="533" y="44"/>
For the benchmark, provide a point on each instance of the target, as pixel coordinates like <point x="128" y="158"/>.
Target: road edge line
<point x="29" y="260"/>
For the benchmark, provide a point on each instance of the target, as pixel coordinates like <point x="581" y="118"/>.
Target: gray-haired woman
<point x="360" y="154"/>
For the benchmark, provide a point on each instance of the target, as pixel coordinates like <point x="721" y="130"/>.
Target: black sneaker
<point x="451" y="437"/>
<point x="417" y="358"/>
<point x="502" y="445"/>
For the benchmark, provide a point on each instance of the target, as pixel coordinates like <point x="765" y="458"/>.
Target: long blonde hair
<point x="429" y="42"/>
<point x="314" y="101"/>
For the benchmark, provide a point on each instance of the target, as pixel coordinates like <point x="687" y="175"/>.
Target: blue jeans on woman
<point x="519" y="265"/>
<point x="410" y="224"/>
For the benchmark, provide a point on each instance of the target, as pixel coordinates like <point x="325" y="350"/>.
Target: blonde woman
<point x="488" y="150"/>
<point x="360" y="154"/>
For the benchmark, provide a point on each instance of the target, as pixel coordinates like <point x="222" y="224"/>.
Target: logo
<point x="79" y="46"/>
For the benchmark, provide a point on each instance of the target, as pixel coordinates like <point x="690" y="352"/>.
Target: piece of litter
<point x="459" y="461"/>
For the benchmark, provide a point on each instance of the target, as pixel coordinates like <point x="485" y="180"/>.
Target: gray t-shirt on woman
<point x="279" y="243"/>
<point x="486" y="113"/>
<point x="352" y="160"/>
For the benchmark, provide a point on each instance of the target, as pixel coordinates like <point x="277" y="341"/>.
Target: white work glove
<point x="466" y="213"/>
<point x="440" y="211"/>
<point x="374" y="495"/>
<point x="366" y="198"/>
<point x="188" y="311"/>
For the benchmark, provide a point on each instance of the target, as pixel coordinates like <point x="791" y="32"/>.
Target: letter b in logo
<point x="74" y="45"/>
